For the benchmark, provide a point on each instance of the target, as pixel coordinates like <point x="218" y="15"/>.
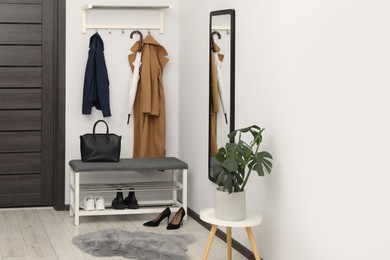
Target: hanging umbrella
<point x="134" y="81"/>
<point x="221" y="88"/>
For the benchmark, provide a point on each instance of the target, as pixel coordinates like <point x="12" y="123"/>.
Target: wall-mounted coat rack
<point x="85" y="25"/>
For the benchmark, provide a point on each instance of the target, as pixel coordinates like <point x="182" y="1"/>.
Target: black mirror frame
<point x="232" y="14"/>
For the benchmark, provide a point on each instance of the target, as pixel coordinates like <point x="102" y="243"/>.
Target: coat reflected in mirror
<point x="221" y="84"/>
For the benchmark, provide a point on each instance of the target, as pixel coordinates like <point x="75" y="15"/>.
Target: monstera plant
<point x="236" y="161"/>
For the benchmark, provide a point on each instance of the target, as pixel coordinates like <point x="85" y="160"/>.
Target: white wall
<point x="315" y="74"/>
<point x="117" y="47"/>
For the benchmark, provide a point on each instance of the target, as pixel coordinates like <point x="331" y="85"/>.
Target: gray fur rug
<point x="138" y="245"/>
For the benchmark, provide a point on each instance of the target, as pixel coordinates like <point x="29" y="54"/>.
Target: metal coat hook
<point x="140" y="38"/>
<point x="109" y="30"/>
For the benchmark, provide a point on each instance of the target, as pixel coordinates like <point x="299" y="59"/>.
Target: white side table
<point x="251" y="220"/>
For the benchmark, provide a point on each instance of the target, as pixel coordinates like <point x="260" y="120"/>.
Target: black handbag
<point x="100" y="147"/>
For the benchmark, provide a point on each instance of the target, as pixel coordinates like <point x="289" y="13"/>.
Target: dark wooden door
<point x="26" y="102"/>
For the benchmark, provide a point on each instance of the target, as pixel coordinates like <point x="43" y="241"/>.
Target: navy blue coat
<point x="96" y="91"/>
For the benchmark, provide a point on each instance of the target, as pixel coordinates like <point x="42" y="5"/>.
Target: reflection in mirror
<point x="221" y="73"/>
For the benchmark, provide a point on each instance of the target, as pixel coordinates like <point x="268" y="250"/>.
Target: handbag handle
<point x="94" y="126"/>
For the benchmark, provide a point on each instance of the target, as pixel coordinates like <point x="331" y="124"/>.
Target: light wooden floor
<point x="44" y="233"/>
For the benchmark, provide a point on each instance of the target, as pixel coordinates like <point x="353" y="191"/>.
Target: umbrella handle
<point x="212" y="37"/>
<point x="140" y="38"/>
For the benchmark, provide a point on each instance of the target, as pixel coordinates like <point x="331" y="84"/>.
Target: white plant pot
<point x="231" y="207"/>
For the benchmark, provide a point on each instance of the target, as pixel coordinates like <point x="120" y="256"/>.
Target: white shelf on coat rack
<point x="160" y="8"/>
<point x="221" y="28"/>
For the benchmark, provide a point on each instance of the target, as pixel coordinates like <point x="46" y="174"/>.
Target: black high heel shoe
<point x="177" y="219"/>
<point x="155" y="222"/>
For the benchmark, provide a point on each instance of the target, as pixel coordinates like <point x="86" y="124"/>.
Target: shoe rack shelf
<point x="136" y="186"/>
<point x="77" y="168"/>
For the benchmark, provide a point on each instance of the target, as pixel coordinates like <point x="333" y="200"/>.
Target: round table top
<point x="252" y="219"/>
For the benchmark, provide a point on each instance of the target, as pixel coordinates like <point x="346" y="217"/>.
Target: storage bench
<point x="177" y="166"/>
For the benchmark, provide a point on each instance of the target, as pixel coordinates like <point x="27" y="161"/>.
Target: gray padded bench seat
<point x="77" y="167"/>
<point x="130" y="164"/>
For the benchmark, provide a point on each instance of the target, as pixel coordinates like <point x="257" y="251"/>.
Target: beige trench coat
<point x="214" y="106"/>
<point x="149" y="103"/>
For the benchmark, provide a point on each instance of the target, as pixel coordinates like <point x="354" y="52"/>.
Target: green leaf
<point x="239" y="179"/>
<point x="241" y="171"/>
<point x="230" y="164"/>
<point x="236" y="187"/>
<point x="232" y="134"/>
<point x="218" y="174"/>
<point x="262" y="163"/>
<point x="259" y="169"/>
<point x="221" y="154"/>
<point x="228" y="185"/>
<point x="221" y="179"/>
<point x="249" y="128"/>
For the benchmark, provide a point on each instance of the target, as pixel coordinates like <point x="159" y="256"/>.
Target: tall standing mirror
<point x="222" y="77"/>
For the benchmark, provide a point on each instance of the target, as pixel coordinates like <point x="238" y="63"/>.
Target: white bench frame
<point x="155" y="206"/>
